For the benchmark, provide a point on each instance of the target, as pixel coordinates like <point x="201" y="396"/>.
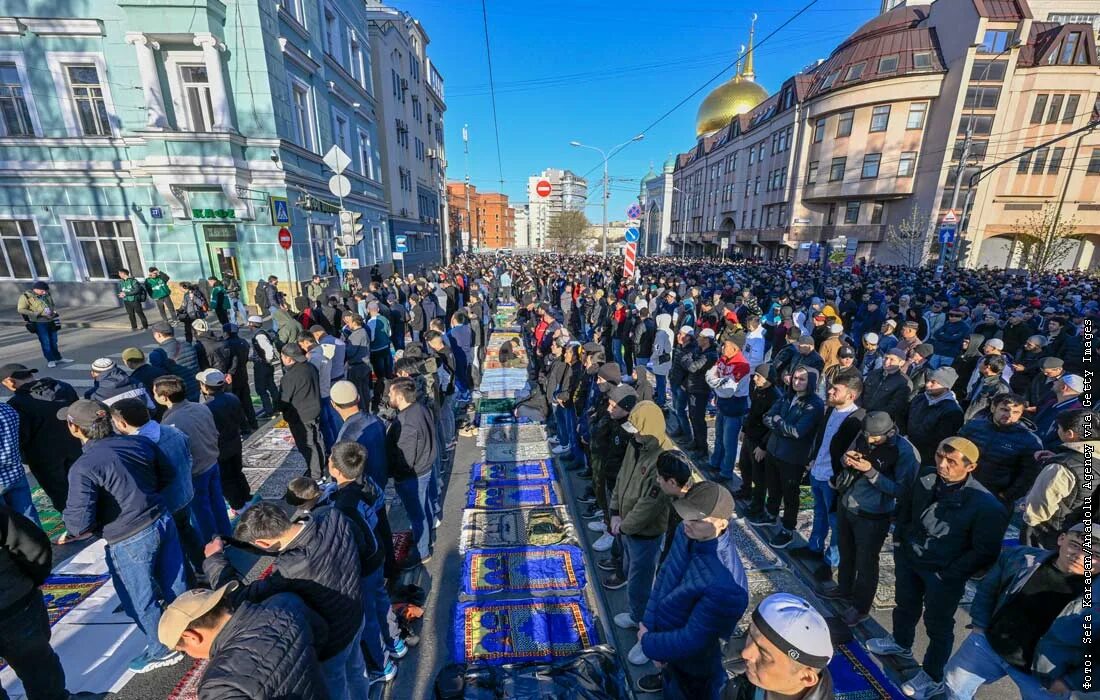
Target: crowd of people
<point x="943" y="409"/>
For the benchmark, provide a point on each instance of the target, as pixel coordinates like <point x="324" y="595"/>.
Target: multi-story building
<point x="655" y="198"/>
<point x="523" y="228"/>
<point x="183" y="136"/>
<point x="854" y="145"/>
<point x="568" y="192"/>
<point x="497" y="219"/>
<point x="410" y="93"/>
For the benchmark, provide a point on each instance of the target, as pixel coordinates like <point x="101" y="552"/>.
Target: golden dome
<point x="733" y="97"/>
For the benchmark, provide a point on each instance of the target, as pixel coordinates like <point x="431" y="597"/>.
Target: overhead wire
<point x="492" y="91"/>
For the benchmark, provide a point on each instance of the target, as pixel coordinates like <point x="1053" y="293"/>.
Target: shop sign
<point x="213" y="214"/>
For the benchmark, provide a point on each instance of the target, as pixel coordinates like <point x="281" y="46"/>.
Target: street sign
<point x="280" y="211"/>
<point x="543" y="188"/>
<point x="398" y="255"/>
<point x="348" y="263"/>
<point x="632" y="235"/>
<point x="947" y="233"/>
<point x="336" y="160"/>
<point x="285" y="239"/>
<point x="339" y="185"/>
<point x="156" y="212"/>
<point x="401" y="244"/>
<point x="633" y="211"/>
<point x="949" y="217"/>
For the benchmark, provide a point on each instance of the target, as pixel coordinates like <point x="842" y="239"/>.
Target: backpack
<point x="142" y="294"/>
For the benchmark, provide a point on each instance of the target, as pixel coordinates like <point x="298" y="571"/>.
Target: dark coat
<point x="25" y="557"/>
<point x="229" y="417"/>
<point x="411" y="443"/>
<point x="930" y="421"/>
<point x="793" y="420"/>
<point x="300" y="393"/>
<point x="760" y="402"/>
<point x="42" y="437"/>
<point x="179" y="358"/>
<point x="886" y="392"/>
<point x="1006" y="466"/>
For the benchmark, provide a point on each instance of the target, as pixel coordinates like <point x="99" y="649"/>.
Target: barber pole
<point x="630" y="254"/>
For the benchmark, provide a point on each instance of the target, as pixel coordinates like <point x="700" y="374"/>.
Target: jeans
<point x="564" y="426"/>
<point x="330" y="423"/>
<point x="238" y="314"/>
<point x="617" y="354"/>
<point x="659" y="393"/>
<point x="208" y="505"/>
<point x="641" y="567"/>
<point x="975" y="664"/>
<point x="824" y="521"/>
<point x="375" y="637"/>
<point x="274" y="324"/>
<point x="921" y="590"/>
<point x="783" y="479"/>
<point x="860" y="542"/>
<point x="415" y="496"/>
<point x="697" y="415"/>
<point x="938" y="361"/>
<point x="345" y="673"/>
<point x="25" y="645"/>
<point x="147" y="568"/>
<point x="18" y="497"/>
<point x="47" y="338"/>
<point x="448" y="436"/>
<point x="189" y="543"/>
<point x="726" y="430"/>
<point x="679" y="407"/>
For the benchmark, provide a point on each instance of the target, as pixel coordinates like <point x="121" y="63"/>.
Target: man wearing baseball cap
<point x="700" y="595"/>
<point x="786" y="654"/>
<point x="948" y="528"/>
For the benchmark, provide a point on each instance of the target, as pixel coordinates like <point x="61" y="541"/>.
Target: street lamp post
<point x="606" y="193"/>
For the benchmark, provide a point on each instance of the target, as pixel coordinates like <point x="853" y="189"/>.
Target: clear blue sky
<point x="599" y="72"/>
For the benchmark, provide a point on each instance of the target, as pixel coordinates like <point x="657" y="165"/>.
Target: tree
<point x="1046" y="238"/>
<point x="908" y="241"/>
<point x="566" y="232"/>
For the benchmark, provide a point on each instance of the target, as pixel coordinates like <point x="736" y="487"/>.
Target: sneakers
<point x="65" y="361"/>
<point x="436" y="523"/>
<point x="781" y="539"/>
<point x="921" y="686"/>
<point x="590" y="513"/>
<point x="614" y="582"/>
<point x="146" y="662"/>
<point x="604" y="542"/>
<point x="625" y="621"/>
<point x="560" y="449"/>
<point x="764" y="518"/>
<point x="652" y="683"/>
<point x="597" y="526"/>
<point x="608" y="564"/>
<point x="587" y="499"/>
<point x="387" y="674"/>
<point x="853" y="617"/>
<point x="636" y="656"/>
<point x="553" y="440"/>
<point x="886" y="646"/>
<point x="51" y="364"/>
<point x="400" y="649"/>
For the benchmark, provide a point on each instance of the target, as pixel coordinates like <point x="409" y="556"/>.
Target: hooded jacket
<point x="637" y="497"/>
<point x="179" y="358"/>
<point x="874" y="493"/>
<point x="792" y="422"/>
<point x="761" y="400"/>
<point x="930" y="421"/>
<point x="663" y="341"/>
<point x="115" y="385"/>
<point x="696" y="364"/>
<point x="947" y="339"/>
<point x="43" y="438"/>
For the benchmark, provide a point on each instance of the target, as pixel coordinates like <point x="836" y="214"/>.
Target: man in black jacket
<point x="318" y="559"/>
<point x="260" y="651"/>
<point x="949" y="527"/>
<point x="934" y="414"/>
<point x="1008" y="446"/>
<point x="236" y="352"/>
<point x="887" y="388"/>
<point x="300" y="403"/>
<point x="228" y="417"/>
<point x="697" y="364"/>
<point x="25" y="561"/>
<point x="411" y="446"/>
<point x="645" y="331"/>
<point x="44" y="441"/>
<point x="762" y="395"/>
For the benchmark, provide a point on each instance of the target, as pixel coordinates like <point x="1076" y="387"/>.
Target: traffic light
<point x="351" y="232"/>
<point x="962" y="251"/>
<point x="949" y="251"/>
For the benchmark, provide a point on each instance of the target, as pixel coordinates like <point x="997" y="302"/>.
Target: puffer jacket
<point x="886" y="392"/>
<point x="948" y="339"/>
<point x="874" y="493"/>
<point x="179" y="358"/>
<point x="267" y="651"/>
<point x="678" y="373"/>
<point x="321" y="566"/>
<point x="42" y="437"/>
<point x="662" y="345"/>
<point x="115" y="385"/>
<point x="792" y="422"/>
<point x="1006" y="465"/>
<point x="930" y="421"/>
<point x="637" y="497"/>
<point x="699" y="597"/>
<point x="1059" y="653"/>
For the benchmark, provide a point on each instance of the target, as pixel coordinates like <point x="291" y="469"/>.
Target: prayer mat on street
<point x="500" y="405"/>
<point x="595" y="673"/>
<point x="188" y="686"/>
<point x="504" y="419"/>
<point x="519" y="527"/>
<point x="516" y="631"/>
<point x="514" y="433"/>
<point x="517" y="452"/>
<point x="522" y="495"/>
<point x="523" y="570"/>
<point x="755" y="553"/>
<point x="501" y="473"/>
<point x="63" y="592"/>
<point x="52" y="523"/>
<point x="857" y="677"/>
<point x="403" y="545"/>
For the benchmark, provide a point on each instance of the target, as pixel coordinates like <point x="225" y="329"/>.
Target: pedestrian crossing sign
<point x="280" y="211"/>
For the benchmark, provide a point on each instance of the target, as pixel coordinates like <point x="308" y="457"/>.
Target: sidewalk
<point x="112" y="318"/>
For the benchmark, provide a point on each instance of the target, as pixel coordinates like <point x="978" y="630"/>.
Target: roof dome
<point x="736" y="96"/>
<point x="670" y="164"/>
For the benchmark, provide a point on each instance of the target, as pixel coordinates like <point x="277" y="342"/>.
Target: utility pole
<point x="466" y="156"/>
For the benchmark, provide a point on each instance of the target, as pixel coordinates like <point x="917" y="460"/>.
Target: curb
<point x="99" y="325"/>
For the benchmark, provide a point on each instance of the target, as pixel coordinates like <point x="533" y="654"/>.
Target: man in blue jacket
<point x="700" y="595"/>
<point x="947" y="341"/>
<point x="1027" y="618"/>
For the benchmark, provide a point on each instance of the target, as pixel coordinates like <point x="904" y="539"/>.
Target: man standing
<point x="300" y="404"/>
<point x="948" y="528"/>
<point x="1059" y="494"/>
<point x="264" y="360"/>
<point x="133" y="294"/>
<point x="700" y="595"/>
<point x="38" y="310"/>
<point x="411" y="447"/>
<point x="358" y="356"/>
<point x="696" y="365"/>
<point x="48" y="449"/>
<point x="181" y="359"/>
<point x="229" y="418"/>
<point x="15" y="490"/>
<point x="887" y="388"/>
<point x="363" y="428"/>
<point x="947" y="340"/>
<point x="236" y="352"/>
<point x="1007" y="446"/>
<point x="934" y="414"/>
<point x="156" y="284"/>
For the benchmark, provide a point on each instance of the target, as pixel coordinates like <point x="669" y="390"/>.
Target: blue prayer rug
<point x="523" y="570"/>
<point x="511" y="473"/>
<point x="523" y="495"/>
<point x="514" y="631"/>
<point x="857" y="677"/>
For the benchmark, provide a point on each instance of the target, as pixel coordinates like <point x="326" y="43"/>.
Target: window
<point x="366" y="156"/>
<point x="752" y="219"/>
<point x="341" y="135"/>
<point x="1040" y="161"/>
<point x="768" y="212"/>
<point x="907" y="164"/>
<point x="819" y="130"/>
<point x="854" y="72"/>
<point x="888" y="64"/>
<point x="836" y="169"/>
<point x="1094" y="163"/>
<point x="811" y="173"/>
<point x="830" y="217"/>
<point x="1022" y="164"/>
<point x="1069" y="54"/>
<point x="87" y="95"/>
<point x="21" y="251"/>
<point x="988" y="70"/>
<point x="1071" y="109"/>
<point x="829" y="80"/>
<point x="880" y="117"/>
<point x="14" y="114"/>
<point x="995" y="40"/>
<point x="876" y="212"/>
<point x="294" y="9"/>
<point x="1039" y="109"/>
<point x="332" y="44"/>
<point x="355" y="56"/>
<point x="1055" y="160"/>
<point x="1055" y="110"/>
<point x="870" y="165"/>
<point x="106" y="247"/>
<point x="922" y="60"/>
<point x="844" y="124"/>
<point x="982" y="97"/>
<point x="783" y="214"/>
<point x="302" y="115"/>
<point x="752" y="156"/>
<point x="756" y="185"/>
<point x="196" y="97"/>
<point x="851" y="212"/>
<point x="917" y="112"/>
<point x="979" y="123"/>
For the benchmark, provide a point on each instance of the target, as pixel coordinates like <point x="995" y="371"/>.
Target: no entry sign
<point x="543" y="188"/>
<point x="285" y="239"/>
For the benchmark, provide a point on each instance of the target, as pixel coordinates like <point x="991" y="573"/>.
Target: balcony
<point x="868" y="233"/>
<point x="878" y="188"/>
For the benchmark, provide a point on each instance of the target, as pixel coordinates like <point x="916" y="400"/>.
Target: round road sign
<point x="285" y="239"/>
<point x="543" y="188"/>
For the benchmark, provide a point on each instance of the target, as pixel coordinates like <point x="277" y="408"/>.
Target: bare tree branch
<point x="566" y="232"/>
<point x="1046" y="238"/>
<point x="908" y="239"/>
